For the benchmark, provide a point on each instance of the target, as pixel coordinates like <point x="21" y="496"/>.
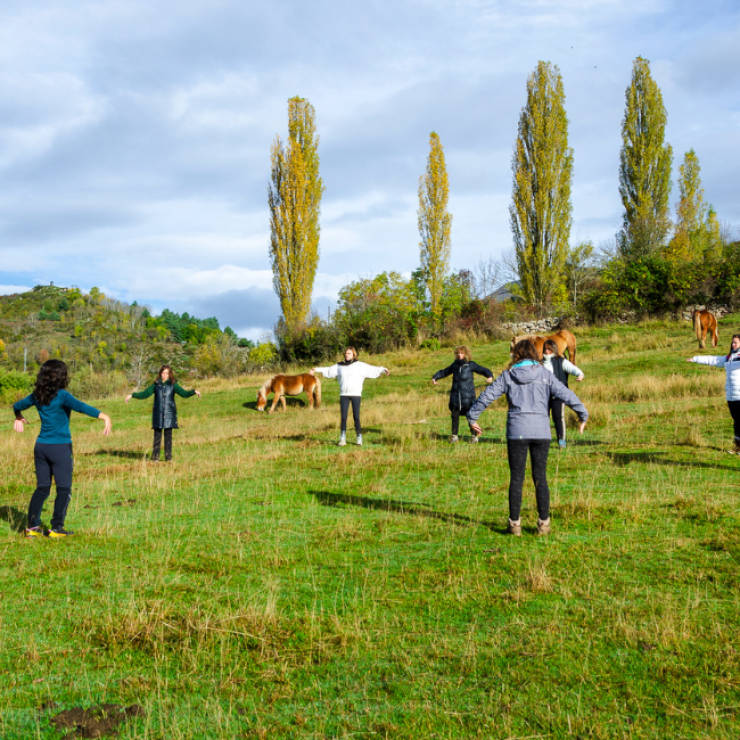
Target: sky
<point x="135" y="135"/>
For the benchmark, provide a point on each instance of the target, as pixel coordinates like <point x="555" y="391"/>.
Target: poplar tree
<point x="697" y="232"/>
<point x="540" y="213"/>
<point x="294" y="197"/>
<point x="435" y="223"/>
<point x="645" y="166"/>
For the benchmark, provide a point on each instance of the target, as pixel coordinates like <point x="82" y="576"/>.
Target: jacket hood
<point x="524" y="374"/>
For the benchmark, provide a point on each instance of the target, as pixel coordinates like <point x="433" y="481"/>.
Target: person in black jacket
<point x="462" y="393"/>
<point x="164" y="410"/>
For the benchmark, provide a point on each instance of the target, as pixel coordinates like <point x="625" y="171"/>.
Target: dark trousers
<point x="456" y="414"/>
<point x="158" y="442"/>
<point x="51" y="461"/>
<point x="344" y="403"/>
<point x="734" y="407"/>
<point x="517" y="450"/>
<point x="557" y="409"/>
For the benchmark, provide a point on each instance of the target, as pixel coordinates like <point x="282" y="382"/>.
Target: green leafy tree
<point x="540" y="213"/>
<point x="645" y="166"/>
<point x="294" y="197"/>
<point x="435" y="223"/>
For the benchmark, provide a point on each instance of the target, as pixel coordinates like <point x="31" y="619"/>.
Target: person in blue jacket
<point x="164" y="410"/>
<point x="52" y="453"/>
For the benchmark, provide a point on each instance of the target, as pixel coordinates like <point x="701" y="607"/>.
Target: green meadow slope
<point x="269" y="584"/>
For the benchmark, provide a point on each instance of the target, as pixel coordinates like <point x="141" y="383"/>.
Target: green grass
<point x="269" y="584"/>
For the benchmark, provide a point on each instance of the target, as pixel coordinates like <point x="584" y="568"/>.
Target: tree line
<point x="654" y="264"/>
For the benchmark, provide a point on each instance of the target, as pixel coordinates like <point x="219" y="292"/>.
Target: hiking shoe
<point x="474" y="440"/>
<point x="359" y="440"/>
<point x="34" y="532"/>
<point x="563" y="444"/>
<point x="543" y="527"/>
<point x="454" y="438"/>
<point x="515" y="528"/>
<point x="58" y="532"/>
<point x="342" y="441"/>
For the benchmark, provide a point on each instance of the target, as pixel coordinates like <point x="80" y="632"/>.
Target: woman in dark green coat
<point x="164" y="411"/>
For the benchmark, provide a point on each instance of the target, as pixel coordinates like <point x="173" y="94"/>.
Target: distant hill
<point x="94" y="333"/>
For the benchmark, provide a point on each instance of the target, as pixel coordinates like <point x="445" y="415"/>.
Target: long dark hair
<point x="523" y="350"/>
<point x="172" y="378"/>
<point x="52" y="378"/>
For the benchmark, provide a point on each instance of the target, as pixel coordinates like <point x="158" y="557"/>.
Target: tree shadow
<point x="14" y="517"/>
<point x="326" y="498"/>
<point x="622" y="459"/>
<point x="127" y="454"/>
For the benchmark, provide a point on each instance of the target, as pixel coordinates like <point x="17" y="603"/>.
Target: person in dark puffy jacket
<point x="164" y="410"/>
<point x="528" y="387"/>
<point x="462" y="393"/>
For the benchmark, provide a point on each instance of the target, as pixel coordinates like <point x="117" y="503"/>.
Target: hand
<point x="489" y="380"/>
<point x="434" y="381"/>
<point x="312" y="371"/>
<point x="128" y="398"/>
<point x="475" y="428"/>
<point x="387" y="371"/>
<point x="579" y="378"/>
<point x="108" y="423"/>
<point x="197" y="393"/>
<point x="18" y="424"/>
<point x="582" y="427"/>
<point x="691" y="359"/>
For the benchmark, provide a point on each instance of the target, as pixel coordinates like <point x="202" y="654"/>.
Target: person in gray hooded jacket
<point x="528" y="388"/>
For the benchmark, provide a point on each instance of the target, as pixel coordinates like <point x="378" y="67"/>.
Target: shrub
<point x="14" y="385"/>
<point x="87" y="384"/>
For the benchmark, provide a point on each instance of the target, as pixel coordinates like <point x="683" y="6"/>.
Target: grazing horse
<point x="563" y="338"/>
<point x="705" y="321"/>
<point x="289" y="385"/>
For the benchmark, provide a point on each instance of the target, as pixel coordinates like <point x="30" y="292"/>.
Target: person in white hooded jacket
<point x="731" y="364"/>
<point x="351" y="374"/>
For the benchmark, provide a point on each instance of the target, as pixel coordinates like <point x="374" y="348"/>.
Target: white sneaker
<point x="342" y="441"/>
<point x="515" y="527"/>
<point x="454" y="439"/>
<point x="359" y="440"/>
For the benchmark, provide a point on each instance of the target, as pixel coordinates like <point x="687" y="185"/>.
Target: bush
<point x="432" y="344"/>
<point x="263" y="354"/>
<point x="86" y="384"/>
<point x="310" y="344"/>
<point x="14" y="385"/>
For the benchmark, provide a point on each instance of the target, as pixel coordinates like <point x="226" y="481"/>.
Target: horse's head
<point x="262" y="395"/>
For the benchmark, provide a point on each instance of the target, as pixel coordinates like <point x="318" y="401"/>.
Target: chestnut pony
<point x="705" y="321"/>
<point x="563" y="338"/>
<point x="289" y="385"/>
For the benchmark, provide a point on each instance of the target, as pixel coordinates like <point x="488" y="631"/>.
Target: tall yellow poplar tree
<point x="644" y="166"/>
<point x="294" y="197"/>
<point x="697" y="233"/>
<point x="540" y="213"/>
<point x="435" y="223"/>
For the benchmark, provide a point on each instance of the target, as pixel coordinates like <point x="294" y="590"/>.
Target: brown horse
<point x="289" y="385"/>
<point x="563" y="338"/>
<point x="705" y="321"/>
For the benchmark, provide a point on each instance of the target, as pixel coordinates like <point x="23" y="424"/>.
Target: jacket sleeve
<point x="442" y="373"/>
<point x="489" y="395"/>
<point x="23" y="404"/>
<point x="571" y="369"/>
<point x="569" y="398"/>
<point x="182" y="392"/>
<point x="328" y="372"/>
<point x="713" y="360"/>
<point x="70" y="402"/>
<point x="476" y="368"/>
<point x="371" y="371"/>
<point x="141" y="395"/>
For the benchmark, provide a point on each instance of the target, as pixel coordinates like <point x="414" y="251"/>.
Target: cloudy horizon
<point x="135" y="137"/>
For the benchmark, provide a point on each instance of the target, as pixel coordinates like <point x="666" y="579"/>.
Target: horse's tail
<point x="696" y="316"/>
<point x="715" y="331"/>
<point x="317" y="392"/>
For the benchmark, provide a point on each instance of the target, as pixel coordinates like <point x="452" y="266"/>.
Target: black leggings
<point x="539" y="450"/>
<point x="456" y="414"/>
<point x="52" y="461"/>
<point x="734" y="407"/>
<point x="557" y="408"/>
<point x="158" y="442"/>
<point x="344" y="402"/>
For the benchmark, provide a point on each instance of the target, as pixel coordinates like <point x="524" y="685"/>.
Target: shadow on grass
<point x="128" y="455"/>
<point x="14" y="517"/>
<point x="661" y="458"/>
<point x="326" y="498"/>
<point x="292" y="403"/>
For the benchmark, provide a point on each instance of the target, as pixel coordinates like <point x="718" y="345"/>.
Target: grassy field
<point x="269" y="584"/>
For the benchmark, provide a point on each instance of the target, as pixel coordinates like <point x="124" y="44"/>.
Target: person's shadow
<point x="14" y="517"/>
<point x="127" y="454"/>
<point x="326" y="498"/>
